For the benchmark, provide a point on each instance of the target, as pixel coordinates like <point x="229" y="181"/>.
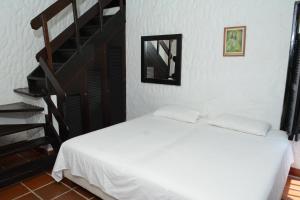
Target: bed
<point x="153" y="157"/>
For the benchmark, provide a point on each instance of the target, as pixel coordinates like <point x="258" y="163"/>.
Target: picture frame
<point x="234" y="41"/>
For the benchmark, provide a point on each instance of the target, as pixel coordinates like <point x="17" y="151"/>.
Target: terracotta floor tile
<point x="294" y="193"/>
<point x="29" y="196"/>
<point x="293" y="198"/>
<point x="70" y="196"/>
<point x="52" y="190"/>
<point x="12" y="191"/>
<point x="292" y="189"/>
<point x="84" y="192"/>
<point x="38" y="181"/>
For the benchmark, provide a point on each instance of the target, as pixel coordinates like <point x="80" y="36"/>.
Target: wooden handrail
<point x="75" y="16"/>
<point x="49" y="13"/>
<point x="165" y="48"/>
<point x="47" y="42"/>
<point x="100" y="14"/>
<point x="52" y="78"/>
<point x="56" y="8"/>
<point x="69" y="31"/>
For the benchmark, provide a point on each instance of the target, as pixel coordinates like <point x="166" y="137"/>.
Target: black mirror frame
<point x="177" y="37"/>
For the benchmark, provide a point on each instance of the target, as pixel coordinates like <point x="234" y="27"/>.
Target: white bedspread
<point x="153" y="158"/>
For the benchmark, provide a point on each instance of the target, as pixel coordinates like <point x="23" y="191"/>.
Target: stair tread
<point x="83" y="38"/>
<point x="114" y="3"/>
<point x="23" y="146"/>
<point x="19" y="107"/>
<point x="66" y="50"/>
<point x="90" y="26"/>
<point x="26" y="91"/>
<point x="37" y="78"/>
<point x="15" y="128"/>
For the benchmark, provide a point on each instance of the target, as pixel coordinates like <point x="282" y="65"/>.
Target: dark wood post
<point x="105" y="91"/>
<point x="169" y="55"/>
<point x="47" y="42"/>
<point x="100" y="15"/>
<point x="75" y="16"/>
<point x="121" y="5"/>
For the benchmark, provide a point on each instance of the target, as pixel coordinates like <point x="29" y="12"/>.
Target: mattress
<point x="157" y="158"/>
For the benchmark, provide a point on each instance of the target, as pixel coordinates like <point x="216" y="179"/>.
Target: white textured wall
<point x="252" y="85"/>
<point x="19" y="44"/>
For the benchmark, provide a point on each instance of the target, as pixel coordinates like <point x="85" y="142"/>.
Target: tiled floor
<point x="41" y="186"/>
<point x="292" y="189"/>
<point x="44" y="187"/>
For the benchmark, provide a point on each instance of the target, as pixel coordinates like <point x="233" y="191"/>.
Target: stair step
<point x="71" y="43"/>
<point x="19" y="107"/>
<point x="114" y="3"/>
<point x="36" y="84"/>
<point x="23" y="146"/>
<point x="36" y="78"/>
<point x="15" y="128"/>
<point x="106" y="18"/>
<point x="87" y="31"/>
<point x="20" y="172"/>
<point x="95" y="20"/>
<point x="27" y="92"/>
<point x="62" y="55"/>
<point x="82" y="39"/>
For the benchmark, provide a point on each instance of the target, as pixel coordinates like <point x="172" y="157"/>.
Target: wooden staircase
<point x="84" y="67"/>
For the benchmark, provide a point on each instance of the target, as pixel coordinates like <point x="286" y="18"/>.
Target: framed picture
<point x="234" y="41"/>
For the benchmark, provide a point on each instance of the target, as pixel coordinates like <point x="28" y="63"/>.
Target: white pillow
<point x="179" y="113"/>
<point x="241" y="124"/>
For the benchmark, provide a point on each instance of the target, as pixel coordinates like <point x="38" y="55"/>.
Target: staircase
<point x="84" y="67"/>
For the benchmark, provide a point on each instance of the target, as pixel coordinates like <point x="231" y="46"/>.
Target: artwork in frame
<point x="234" y="41"/>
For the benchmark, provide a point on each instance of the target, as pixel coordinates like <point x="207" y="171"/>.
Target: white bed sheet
<point x="155" y="158"/>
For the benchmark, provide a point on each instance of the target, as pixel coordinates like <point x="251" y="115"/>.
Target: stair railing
<point x="42" y="21"/>
<point x="167" y="50"/>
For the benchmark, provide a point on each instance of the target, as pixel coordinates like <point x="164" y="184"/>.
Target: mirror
<point x="161" y="59"/>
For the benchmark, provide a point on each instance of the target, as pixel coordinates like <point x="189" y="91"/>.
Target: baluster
<point x="100" y="15"/>
<point x="47" y="42"/>
<point x="121" y="5"/>
<point x="169" y="53"/>
<point x="75" y="15"/>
